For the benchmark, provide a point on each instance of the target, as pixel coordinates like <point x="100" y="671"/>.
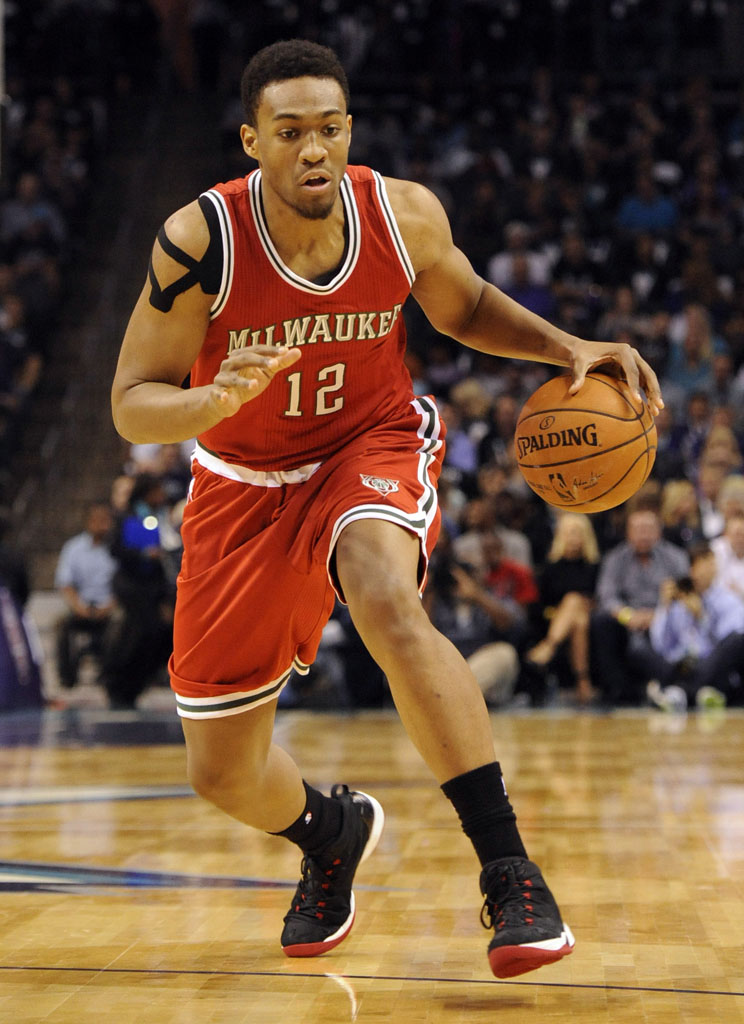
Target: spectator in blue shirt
<point x="84" y="577"/>
<point x="698" y="629"/>
<point x="646" y="209"/>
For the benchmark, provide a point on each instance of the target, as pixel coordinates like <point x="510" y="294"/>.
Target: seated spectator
<point x="566" y="586"/>
<point x="510" y="583"/>
<point x="687" y="436"/>
<point x="20" y="369"/>
<point x="84" y="577"/>
<point x="174" y="472"/>
<point x="730" y="501"/>
<point x="723" y="392"/>
<point x="479" y="221"/>
<point x="647" y="270"/>
<point x="722" y="449"/>
<point x="680" y="513"/>
<point x="480" y="620"/>
<point x="710" y="480"/>
<point x="139" y="647"/>
<point x="690" y="365"/>
<point x="480" y="519"/>
<point x="669" y="463"/>
<point x="621" y="318"/>
<point x="576" y="278"/>
<point x="443" y="365"/>
<point x="473" y="404"/>
<point x="30" y="215"/>
<point x="630" y="576"/>
<point x="698" y="631"/>
<point x="646" y="209"/>
<point x="467" y="418"/>
<point x="654" y="343"/>
<point x="461" y="459"/>
<point x="501" y="266"/>
<point x="532" y="294"/>
<point x="498" y="440"/>
<point x="729" y="553"/>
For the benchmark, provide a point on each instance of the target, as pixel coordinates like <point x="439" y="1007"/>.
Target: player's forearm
<point x="501" y="327"/>
<point x="158" y="413"/>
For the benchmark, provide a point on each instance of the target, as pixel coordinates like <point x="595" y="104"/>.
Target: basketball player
<point x="315" y="474"/>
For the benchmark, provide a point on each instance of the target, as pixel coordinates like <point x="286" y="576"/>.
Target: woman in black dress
<point x="566" y="586"/>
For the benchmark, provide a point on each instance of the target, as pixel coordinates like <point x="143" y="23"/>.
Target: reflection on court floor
<point x="126" y="897"/>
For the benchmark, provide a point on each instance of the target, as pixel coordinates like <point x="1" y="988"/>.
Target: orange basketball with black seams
<point x="585" y="452"/>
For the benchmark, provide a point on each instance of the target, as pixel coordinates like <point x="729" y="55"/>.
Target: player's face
<point x="301" y="141"/>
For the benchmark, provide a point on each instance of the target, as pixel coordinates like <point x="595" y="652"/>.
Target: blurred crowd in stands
<point x="612" y="204"/>
<point x="64" y="62"/>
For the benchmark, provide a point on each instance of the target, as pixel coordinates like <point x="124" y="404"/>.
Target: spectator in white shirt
<point x="729" y="552"/>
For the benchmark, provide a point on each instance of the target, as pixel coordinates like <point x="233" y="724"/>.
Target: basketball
<point x="585" y="452"/>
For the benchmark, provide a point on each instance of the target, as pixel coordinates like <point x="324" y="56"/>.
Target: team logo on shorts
<point x="379" y="483"/>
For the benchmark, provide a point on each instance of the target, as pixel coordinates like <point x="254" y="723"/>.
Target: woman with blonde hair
<point x="722" y="448"/>
<point x="730" y="499"/>
<point x="680" y="513"/>
<point x="566" y="587"/>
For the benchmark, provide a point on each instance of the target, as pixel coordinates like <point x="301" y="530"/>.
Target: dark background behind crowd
<point x="590" y="156"/>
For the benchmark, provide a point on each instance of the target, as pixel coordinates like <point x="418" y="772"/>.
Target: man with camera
<point x="698" y="629"/>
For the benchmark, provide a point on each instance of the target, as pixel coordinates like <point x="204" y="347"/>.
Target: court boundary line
<point x="199" y="972"/>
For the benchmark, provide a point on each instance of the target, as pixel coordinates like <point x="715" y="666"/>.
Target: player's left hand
<point x="618" y="359"/>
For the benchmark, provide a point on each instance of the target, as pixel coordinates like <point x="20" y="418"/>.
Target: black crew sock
<point x="487" y="817"/>
<point x="318" y="825"/>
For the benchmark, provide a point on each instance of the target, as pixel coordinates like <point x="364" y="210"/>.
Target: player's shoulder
<point x="407" y="198"/>
<point x="187" y="228"/>
<point x="412" y="197"/>
<point x="421" y="219"/>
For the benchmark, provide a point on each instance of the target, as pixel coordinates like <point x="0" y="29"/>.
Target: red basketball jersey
<point x="351" y="375"/>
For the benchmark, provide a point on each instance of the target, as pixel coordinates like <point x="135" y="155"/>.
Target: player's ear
<point x="250" y="140"/>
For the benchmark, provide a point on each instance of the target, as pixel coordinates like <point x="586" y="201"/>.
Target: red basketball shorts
<point x="255" y="589"/>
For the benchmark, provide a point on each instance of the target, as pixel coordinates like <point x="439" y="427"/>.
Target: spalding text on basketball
<point x="567" y="438"/>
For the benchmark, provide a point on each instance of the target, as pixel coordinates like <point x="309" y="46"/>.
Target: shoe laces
<point x="512" y="900"/>
<point x="315" y="886"/>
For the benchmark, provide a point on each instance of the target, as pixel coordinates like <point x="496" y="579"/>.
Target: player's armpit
<point x="446" y="286"/>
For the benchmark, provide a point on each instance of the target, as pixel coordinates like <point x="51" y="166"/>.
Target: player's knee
<point x="206" y="777"/>
<point x="216" y="778"/>
<point x="390" y="604"/>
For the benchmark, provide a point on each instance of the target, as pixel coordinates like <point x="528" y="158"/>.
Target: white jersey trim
<point x="236" y="702"/>
<point x="419" y="522"/>
<point x="352" y="255"/>
<point x="255" y="477"/>
<point x="392" y="226"/>
<point x="228" y="252"/>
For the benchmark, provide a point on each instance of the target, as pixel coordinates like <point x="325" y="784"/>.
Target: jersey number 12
<point x="325" y="402"/>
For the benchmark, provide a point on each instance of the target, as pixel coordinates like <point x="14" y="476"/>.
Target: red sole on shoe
<point x="317" y="948"/>
<point x="510" y="961"/>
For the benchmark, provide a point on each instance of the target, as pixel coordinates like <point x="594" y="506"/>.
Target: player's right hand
<point x="246" y="373"/>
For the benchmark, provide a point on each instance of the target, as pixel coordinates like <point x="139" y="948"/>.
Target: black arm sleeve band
<point x="206" y="272"/>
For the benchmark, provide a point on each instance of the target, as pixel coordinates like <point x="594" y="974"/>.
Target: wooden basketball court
<point x="127" y="899"/>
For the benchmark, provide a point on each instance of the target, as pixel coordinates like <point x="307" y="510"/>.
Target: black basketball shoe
<point x="529" y="931"/>
<point x="322" y="910"/>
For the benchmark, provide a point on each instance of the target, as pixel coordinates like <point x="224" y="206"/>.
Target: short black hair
<point x="697" y="550"/>
<point x="289" y="58"/>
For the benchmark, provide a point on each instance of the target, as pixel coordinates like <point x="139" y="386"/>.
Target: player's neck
<point x="308" y="247"/>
